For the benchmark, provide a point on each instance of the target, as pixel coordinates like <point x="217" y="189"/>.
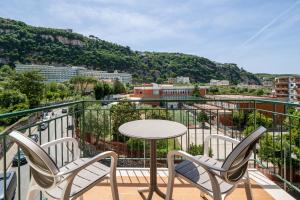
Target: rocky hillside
<point x="23" y="43"/>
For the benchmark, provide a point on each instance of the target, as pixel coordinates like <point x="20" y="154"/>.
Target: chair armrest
<point x="62" y="140"/>
<point x="101" y="156"/>
<point x="189" y="157"/>
<point x="223" y="137"/>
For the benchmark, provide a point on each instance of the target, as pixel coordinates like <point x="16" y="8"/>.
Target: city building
<point x="124" y="78"/>
<point x="179" y="79"/>
<point x="288" y="88"/>
<point x="166" y="92"/>
<point x="267" y="82"/>
<point x="249" y="86"/>
<point x="61" y="74"/>
<point x="214" y="82"/>
<point x="51" y="73"/>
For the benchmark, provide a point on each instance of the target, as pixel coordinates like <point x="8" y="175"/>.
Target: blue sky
<point x="258" y="35"/>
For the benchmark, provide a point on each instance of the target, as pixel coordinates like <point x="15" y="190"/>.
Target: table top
<point x="152" y="129"/>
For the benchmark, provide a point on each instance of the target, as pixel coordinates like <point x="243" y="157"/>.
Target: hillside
<point x="23" y="43"/>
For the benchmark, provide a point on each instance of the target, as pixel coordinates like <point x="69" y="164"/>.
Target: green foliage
<point x="121" y="113"/>
<point x="81" y="83"/>
<point x="196" y="92"/>
<point x="118" y="87"/>
<point x="240" y="119"/>
<point x="56" y="91"/>
<point x="107" y="89"/>
<point x="261" y="120"/>
<point x="238" y="90"/>
<point x="27" y="44"/>
<point x="198" y="150"/>
<point x="99" y="90"/>
<point x="31" y="84"/>
<point x="11" y="101"/>
<point x="96" y="122"/>
<point x="158" y="114"/>
<point x="202" y="117"/>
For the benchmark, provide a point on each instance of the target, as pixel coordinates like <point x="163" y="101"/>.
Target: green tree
<point x="107" y="89"/>
<point x="118" y="87"/>
<point x="196" y="92"/>
<point x="260" y="119"/>
<point x="202" y="117"/>
<point x="121" y="113"/>
<point x="99" y="91"/>
<point x="82" y="83"/>
<point x="31" y="84"/>
<point x="11" y="101"/>
<point x="260" y="92"/>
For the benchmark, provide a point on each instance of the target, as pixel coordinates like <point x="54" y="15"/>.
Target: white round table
<point x="152" y="130"/>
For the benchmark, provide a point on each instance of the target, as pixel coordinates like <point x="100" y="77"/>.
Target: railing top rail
<point x="33" y="110"/>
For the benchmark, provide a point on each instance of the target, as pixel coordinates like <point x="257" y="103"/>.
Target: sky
<point x="258" y="35"/>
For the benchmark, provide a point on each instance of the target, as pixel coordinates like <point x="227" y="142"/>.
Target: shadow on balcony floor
<point x="130" y="180"/>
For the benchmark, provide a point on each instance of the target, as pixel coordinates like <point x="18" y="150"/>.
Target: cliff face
<point x="23" y="43"/>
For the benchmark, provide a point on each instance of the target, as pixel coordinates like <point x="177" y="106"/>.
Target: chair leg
<point x="30" y="194"/>
<point x="31" y="190"/>
<point x="248" y="187"/>
<point x="170" y="185"/>
<point x="114" y="187"/>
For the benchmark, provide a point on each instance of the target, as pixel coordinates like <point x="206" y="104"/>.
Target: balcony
<point x="274" y="167"/>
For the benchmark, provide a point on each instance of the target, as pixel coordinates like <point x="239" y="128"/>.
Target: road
<point x="59" y="154"/>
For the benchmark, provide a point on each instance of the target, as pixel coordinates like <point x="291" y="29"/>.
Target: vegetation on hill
<point x="23" y="43"/>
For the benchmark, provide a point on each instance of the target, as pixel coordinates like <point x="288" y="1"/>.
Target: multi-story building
<point x="267" y="82"/>
<point x="288" y="88"/>
<point x="214" y="82"/>
<point x="51" y="73"/>
<point x="166" y="92"/>
<point x="249" y="86"/>
<point x="179" y="79"/>
<point x="61" y="74"/>
<point x="124" y="78"/>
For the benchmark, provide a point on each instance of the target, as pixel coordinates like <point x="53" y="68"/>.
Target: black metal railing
<point x="95" y="125"/>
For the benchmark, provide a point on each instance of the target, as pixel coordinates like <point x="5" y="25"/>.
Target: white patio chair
<point x="214" y="178"/>
<point x="70" y="181"/>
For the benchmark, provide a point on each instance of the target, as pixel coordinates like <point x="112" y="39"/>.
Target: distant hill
<point x="23" y="43"/>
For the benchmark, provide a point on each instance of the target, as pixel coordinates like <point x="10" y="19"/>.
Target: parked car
<point x="64" y="110"/>
<point x="43" y="126"/>
<point x="23" y="160"/>
<point x="34" y="137"/>
<point x="11" y="185"/>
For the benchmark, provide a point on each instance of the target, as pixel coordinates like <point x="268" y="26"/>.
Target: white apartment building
<point x="179" y="79"/>
<point x="61" y="74"/>
<point x="183" y="79"/>
<point x="51" y="73"/>
<point x="124" y="78"/>
<point x="214" y="82"/>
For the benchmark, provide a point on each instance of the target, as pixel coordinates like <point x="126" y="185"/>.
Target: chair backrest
<point x="42" y="167"/>
<point x="236" y="162"/>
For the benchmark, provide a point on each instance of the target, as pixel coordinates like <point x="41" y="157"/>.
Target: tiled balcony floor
<point x="132" y="179"/>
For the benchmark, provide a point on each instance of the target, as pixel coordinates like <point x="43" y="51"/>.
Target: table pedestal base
<point x="151" y="190"/>
<point x="153" y="175"/>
